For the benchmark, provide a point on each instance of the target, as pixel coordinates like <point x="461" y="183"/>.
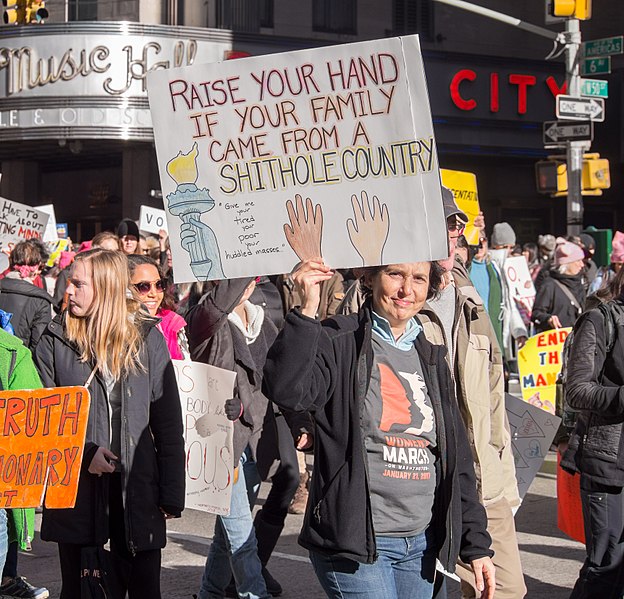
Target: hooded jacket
<point x="213" y="339"/>
<point x="152" y="444"/>
<point x="596" y="392"/>
<point x="31" y="307"/>
<point x="326" y="368"/>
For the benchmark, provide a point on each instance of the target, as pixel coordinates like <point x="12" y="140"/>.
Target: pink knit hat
<point x="568" y="252"/>
<point x="617" y="247"/>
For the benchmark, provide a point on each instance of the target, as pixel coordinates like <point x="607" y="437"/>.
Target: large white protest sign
<point x="207" y="435"/>
<point x="267" y="161"/>
<point x="19" y="222"/>
<point x="532" y="432"/>
<point x="152" y="220"/>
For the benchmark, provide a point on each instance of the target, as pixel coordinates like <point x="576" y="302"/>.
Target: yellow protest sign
<point x="464" y="188"/>
<point x="42" y="436"/>
<point x="539" y="363"/>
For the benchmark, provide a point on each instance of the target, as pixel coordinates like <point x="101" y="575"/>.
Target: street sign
<point x="556" y="132"/>
<point x="604" y="47"/>
<point x="580" y="109"/>
<point x="596" y="66"/>
<point x="595" y="88"/>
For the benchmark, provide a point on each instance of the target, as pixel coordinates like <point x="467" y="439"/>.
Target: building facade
<point x="75" y="127"/>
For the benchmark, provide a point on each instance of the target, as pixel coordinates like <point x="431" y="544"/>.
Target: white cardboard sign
<point x="152" y="220"/>
<point x="267" y="161"/>
<point x="50" y="233"/>
<point x="207" y="435"/>
<point x="19" y="222"/>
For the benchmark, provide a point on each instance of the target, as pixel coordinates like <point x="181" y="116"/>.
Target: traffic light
<point x="36" y="12"/>
<point x="596" y="175"/>
<point x="552" y="176"/>
<point x="22" y="12"/>
<point x="574" y="9"/>
<point x="14" y="12"/>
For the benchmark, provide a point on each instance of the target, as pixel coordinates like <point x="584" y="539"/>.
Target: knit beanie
<point x="568" y="252"/>
<point x="617" y="247"/>
<point x="502" y="234"/>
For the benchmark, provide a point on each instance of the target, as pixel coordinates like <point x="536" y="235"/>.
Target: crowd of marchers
<point x="392" y="377"/>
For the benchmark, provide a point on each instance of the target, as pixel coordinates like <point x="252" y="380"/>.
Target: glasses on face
<point x="143" y="287"/>
<point x="456" y="226"/>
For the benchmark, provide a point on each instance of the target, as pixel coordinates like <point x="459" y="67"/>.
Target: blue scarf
<point x="406" y="341"/>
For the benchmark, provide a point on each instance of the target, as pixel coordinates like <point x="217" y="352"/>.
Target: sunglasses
<point x="456" y="227"/>
<point x="144" y="286"/>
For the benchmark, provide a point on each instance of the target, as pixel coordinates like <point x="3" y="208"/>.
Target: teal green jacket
<point x="17" y="371"/>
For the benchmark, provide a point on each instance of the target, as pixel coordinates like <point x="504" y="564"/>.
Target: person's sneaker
<point x="20" y="587"/>
<point x="273" y="587"/>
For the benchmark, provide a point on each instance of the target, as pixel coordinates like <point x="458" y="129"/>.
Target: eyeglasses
<point x="456" y="226"/>
<point x="144" y="287"/>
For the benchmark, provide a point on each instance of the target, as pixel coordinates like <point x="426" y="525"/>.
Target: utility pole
<point x="571" y="38"/>
<point x="574" y="149"/>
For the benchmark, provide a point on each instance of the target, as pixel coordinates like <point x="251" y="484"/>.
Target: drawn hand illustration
<point x="369" y="231"/>
<point x="306" y="228"/>
<point x="200" y="241"/>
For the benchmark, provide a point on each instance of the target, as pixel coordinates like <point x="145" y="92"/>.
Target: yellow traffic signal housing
<point x="575" y="9"/>
<point x="596" y="174"/>
<point x="36" y="12"/>
<point x="14" y="12"/>
<point x="552" y="176"/>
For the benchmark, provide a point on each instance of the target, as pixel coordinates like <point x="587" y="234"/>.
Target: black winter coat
<point x="595" y="387"/>
<point x="152" y="444"/>
<point x="551" y="299"/>
<point x="214" y="340"/>
<point x="326" y="368"/>
<point x="31" y="307"/>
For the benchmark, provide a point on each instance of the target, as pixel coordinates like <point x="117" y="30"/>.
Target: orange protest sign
<point x="42" y="435"/>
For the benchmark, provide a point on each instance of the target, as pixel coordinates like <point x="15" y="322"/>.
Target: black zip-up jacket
<point x="326" y="368"/>
<point x="595" y="388"/>
<point x="152" y="444"/>
<point x="31" y="307"/>
<point x="551" y="299"/>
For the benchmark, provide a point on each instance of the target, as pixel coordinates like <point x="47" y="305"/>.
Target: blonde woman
<point x="132" y="478"/>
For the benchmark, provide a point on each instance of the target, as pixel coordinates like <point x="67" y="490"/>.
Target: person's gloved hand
<point x="233" y="408"/>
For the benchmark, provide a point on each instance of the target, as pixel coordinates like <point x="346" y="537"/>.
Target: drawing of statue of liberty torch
<point x="189" y="202"/>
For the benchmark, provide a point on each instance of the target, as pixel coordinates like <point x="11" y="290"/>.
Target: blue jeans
<point x="405" y="568"/>
<point x="4" y="538"/>
<point x="234" y="550"/>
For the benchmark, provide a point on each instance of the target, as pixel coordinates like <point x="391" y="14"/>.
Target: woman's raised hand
<point x="307" y="278"/>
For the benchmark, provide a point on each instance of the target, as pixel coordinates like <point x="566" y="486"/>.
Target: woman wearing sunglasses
<point x="150" y="289"/>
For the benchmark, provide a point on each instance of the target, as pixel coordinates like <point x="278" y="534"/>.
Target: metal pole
<point x="499" y="16"/>
<point x="574" y="153"/>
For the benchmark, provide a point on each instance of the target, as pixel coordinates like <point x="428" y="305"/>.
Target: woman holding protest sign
<point x="393" y="486"/>
<point x="132" y="478"/>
